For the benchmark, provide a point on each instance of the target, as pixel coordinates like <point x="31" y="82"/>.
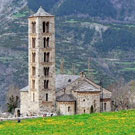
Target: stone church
<point x="50" y="93"/>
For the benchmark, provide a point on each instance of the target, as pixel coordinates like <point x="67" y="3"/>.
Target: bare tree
<point x="13" y="98"/>
<point x="123" y="95"/>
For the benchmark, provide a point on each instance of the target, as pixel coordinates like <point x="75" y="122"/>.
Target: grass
<point x="115" y="123"/>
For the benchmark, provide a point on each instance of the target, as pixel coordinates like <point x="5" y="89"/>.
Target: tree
<point x="13" y="98"/>
<point x="123" y="95"/>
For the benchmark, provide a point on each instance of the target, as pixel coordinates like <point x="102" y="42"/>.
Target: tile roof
<point x="85" y="86"/>
<point x="66" y="98"/>
<point x="41" y="12"/>
<point x="25" y="89"/>
<point x="62" y="81"/>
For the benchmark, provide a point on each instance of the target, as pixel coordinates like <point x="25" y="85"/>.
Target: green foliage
<point x="101" y="8"/>
<point x="113" y="123"/>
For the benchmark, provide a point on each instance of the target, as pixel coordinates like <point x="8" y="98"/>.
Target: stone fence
<point x="20" y="118"/>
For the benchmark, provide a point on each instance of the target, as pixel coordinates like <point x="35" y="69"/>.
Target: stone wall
<point x="24" y="103"/>
<point x="87" y="102"/>
<point x="66" y="108"/>
<point x="108" y="105"/>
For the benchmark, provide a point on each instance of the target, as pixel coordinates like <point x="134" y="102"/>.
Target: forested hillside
<point x="102" y="31"/>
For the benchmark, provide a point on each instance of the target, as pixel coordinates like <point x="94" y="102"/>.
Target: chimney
<point x="82" y="75"/>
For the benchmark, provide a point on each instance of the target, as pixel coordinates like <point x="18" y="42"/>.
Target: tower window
<point x="46" y="97"/>
<point x="33" y="71"/>
<point x="47" y="27"/>
<point x="48" y="54"/>
<point x="48" y="42"/>
<point x="33" y="84"/>
<point x="33" y="42"/>
<point x="44" y="24"/>
<point x="46" y="71"/>
<point x="69" y="108"/>
<point x="46" y="57"/>
<point x="44" y="42"/>
<point x="33" y="27"/>
<point x="33" y="57"/>
<point x="46" y="84"/>
<point x="104" y="106"/>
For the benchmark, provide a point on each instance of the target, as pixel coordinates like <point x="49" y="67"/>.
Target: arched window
<point x="33" y="84"/>
<point x="44" y="57"/>
<point x="47" y="27"/>
<point x="46" y="71"/>
<point x="33" y="57"/>
<point x="46" y="97"/>
<point x="33" y="42"/>
<point x="69" y="109"/>
<point x="33" y="27"/>
<point x="48" y="42"/>
<point x="46" y="84"/>
<point x="44" y="25"/>
<point x="48" y="54"/>
<point x="33" y="71"/>
<point x="44" y="42"/>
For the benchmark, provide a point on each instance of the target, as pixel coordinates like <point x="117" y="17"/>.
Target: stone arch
<point x="92" y="109"/>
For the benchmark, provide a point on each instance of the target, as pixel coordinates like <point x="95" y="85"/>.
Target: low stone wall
<point x="20" y="118"/>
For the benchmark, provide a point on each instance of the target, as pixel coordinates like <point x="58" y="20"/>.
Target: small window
<point x="46" y="84"/>
<point x="33" y="27"/>
<point x="69" y="80"/>
<point x="84" y="111"/>
<point x="48" y="54"/>
<point x="48" y="42"/>
<point x="46" y="96"/>
<point x="104" y="106"/>
<point x="33" y="57"/>
<point x="46" y="57"/>
<point x="83" y="100"/>
<point x="44" y="24"/>
<point x="44" y="42"/>
<point x="33" y="84"/>
<point x="46" y="71"/>
<point x="33" y="42"/>
<point x="47" y="27"/>
<point x="69" y="109"/>
<point x="33" y="71"/>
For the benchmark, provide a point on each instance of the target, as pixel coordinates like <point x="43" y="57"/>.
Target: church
<point x="50" y="93"/>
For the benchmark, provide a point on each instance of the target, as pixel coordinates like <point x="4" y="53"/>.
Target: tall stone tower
<point x="42" y="62"/>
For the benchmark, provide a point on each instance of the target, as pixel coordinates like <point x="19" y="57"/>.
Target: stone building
<point x="50" y="93"/>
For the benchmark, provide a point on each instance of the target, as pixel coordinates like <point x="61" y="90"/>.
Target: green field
<point x="116" y="123"/>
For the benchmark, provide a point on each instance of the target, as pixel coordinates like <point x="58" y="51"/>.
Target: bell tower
<point x="42" y="62"/>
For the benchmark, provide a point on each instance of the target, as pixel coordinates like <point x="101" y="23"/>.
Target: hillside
<point x="102" y="30"/>
<point x="113" y="123"/>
